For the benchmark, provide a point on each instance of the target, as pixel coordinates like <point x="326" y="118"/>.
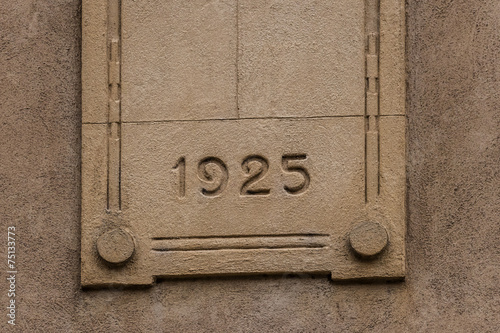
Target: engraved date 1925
<point x="214" y="175"/>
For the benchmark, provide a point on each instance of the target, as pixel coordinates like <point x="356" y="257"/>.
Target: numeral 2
<point x="256" y="168"/>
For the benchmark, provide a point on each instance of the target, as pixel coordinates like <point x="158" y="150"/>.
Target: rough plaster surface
<point x="453" y="247"/>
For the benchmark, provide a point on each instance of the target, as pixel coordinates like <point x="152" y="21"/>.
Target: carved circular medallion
<point x="116" y="246"/>
<point x="368" y="239"/>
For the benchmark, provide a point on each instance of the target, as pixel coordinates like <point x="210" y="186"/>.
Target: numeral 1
<point x="181" y="168"/>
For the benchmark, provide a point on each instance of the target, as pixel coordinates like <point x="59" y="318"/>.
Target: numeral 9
<point x="213" y="171"/>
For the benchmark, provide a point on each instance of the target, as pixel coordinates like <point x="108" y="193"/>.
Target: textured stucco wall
<point x="453" y="240"/>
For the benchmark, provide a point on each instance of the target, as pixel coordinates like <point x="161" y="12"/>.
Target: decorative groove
<point x="244" y="118"/>
<point x="237" y="63"/>
<point x="251" y="242"/>
<point x="372" y="108"/>
<point x="114" y="105"/>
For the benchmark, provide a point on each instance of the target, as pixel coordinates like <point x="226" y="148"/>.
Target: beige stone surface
<point x="94" y="70"/>
<point x="331" y="204"/>
<point x="269" y="117"/>
<point x="453" y="196"/>
<point x="301" y="58"/>
<point x="179" y="60"/>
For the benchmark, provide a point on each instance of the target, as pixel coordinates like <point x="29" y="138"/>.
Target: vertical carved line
<point x="372" y="149"/>
<point x="237" y="58"/>
<point x="114" y="105"/>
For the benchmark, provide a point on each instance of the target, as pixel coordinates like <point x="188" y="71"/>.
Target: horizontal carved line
<point x="237" y="119"/>
<point x="251" y="242"/>
<point x="245" y="236"/>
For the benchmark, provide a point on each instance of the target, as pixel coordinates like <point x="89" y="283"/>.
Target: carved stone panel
<point x="242" y="137"/>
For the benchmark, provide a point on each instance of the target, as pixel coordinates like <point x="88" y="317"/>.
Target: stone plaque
<point x="242" y="137"/>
